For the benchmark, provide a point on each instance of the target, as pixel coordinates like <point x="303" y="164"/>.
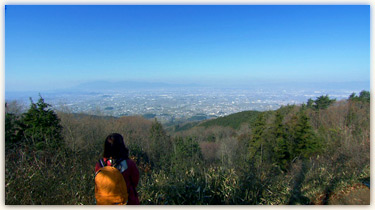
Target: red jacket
<point x="131" y="176"/>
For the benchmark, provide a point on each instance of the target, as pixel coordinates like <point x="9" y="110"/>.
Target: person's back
<point x="110" y="186"/>
<point x="115" y="149"/>
<point x="131" y="176"/>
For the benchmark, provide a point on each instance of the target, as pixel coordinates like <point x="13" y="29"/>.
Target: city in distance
<point x="216" y="104"/>
<point x="184" y="61"/>
<point x="183" y="102"/>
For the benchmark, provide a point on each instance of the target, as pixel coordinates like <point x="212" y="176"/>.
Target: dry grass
<point x="358" y="194"/>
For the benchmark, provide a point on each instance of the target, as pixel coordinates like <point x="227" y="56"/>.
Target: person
<point x="115" y="149"/>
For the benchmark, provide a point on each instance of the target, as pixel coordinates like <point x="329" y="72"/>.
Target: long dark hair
<point x="114" y="147"/>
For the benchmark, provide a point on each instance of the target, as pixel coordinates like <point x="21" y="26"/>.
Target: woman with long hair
<point x="115" y="151"/>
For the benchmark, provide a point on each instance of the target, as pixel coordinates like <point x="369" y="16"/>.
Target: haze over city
<point x="193" y="104"/>
<point x="272" y="55"/>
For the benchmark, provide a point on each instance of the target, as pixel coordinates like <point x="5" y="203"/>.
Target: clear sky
<point x="50" y="47"/>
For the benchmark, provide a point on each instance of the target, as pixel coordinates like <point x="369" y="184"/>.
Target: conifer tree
<point x="305" y="141"/>
<point x="310" y="103"/>
<point x="257" y="140"/>
<point x="364" y="96"/>
<point x="281" y="148"/>
<point x="160" y="145"/>
<point x="186" y="153"/>
<point x="323" y="102"/>
<point x="11" y="128"/>
<point x="40" y="125"/>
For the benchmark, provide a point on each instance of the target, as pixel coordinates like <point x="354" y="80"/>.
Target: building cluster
<point x="181" y="104"/>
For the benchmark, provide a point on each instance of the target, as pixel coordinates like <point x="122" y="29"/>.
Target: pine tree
<point x="12" y="125"/>
<point x="257" y="140"/>
<point x="40" y="125"/>
<point x="310" y="103"/>
<point x="187" y="153"/>
<point x="281" y="148"/>
<point x="305" y="141"/>
<point x="160" y="145"/>
<point x="364" y="96"/>
<point x="323" y="102"/>
<point x="11" y="129"/>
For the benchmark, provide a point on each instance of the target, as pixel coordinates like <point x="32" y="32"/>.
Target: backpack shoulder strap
<point x="121" y="165"/>
<point x="102" y="162"/>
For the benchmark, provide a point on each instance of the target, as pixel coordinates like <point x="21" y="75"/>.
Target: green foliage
<point x="160" y="146"/>
<point x="186" y="153"/>
<point x="40" y="125"/>
<point x="12" y="125"/>
<point x="233" y="120"/>
<point x="283" y="139"/>
<point x="305" y="142"/>
<point x="281" y="149"/>
<point x="197" y="117"/>
<point x="322" y="102"/>
<point x="11" y="129"/>
<point x="185" y="126"/>
<point x="364" y="96"/>
<point x="310" y="103"/>
<point x="285" y="110"/>
<point x="137" y="153"/>
<point x="37" y="177"/>
<point x="149" y="116"/>
<point x="210" y="186"/>
<point x="257" y="141"/>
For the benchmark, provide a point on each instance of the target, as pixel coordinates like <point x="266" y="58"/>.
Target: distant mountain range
<point x="126" y="85"/>
<point x="123" y="85"/>
<point x="96" y="87"/>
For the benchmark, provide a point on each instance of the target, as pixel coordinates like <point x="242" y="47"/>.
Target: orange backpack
<point x="110" y="186"/>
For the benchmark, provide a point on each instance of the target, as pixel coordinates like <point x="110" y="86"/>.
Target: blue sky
<point x="52" y="47"/>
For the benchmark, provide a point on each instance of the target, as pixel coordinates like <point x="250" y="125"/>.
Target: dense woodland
<point x="297" y="154"/>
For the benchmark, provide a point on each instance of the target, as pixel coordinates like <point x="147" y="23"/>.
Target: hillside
<point x="300" y="154"/>
<point x="234" y="120"/>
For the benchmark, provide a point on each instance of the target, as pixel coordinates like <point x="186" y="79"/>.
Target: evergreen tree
<point x="323" y="102"/>
<point x="257" y="140"/>
<point x="364" y="96"/>
<point x="186" y="153"/>
<point x="12" y="126"/>
<point x="160" y="145"/>
<point x="281" y="148"/>
<point x="305" y="141"/>
<point x="310" y="103"/>
<point x="352" y="96"/>
<point x="40" y="125"/>
<point x="11" y="129"/>
<point x="356" y="103"/>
